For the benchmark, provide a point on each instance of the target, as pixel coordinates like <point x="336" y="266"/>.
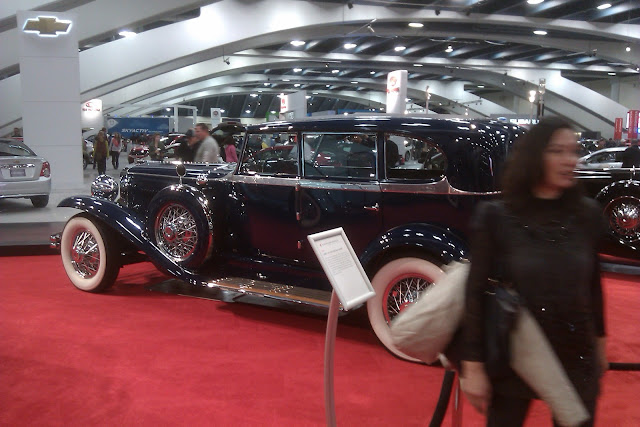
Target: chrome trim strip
<point x="439" y="187"/>
<point x="17" y="196"/>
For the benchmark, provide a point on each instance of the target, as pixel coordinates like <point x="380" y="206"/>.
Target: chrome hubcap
<point x="624" y="218"/>
<point x="401" y="293"/>
<point x="176" y="232"/>
<point x="85" y="254"/>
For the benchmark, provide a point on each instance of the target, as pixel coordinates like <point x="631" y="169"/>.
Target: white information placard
<point x="342" y="266"/>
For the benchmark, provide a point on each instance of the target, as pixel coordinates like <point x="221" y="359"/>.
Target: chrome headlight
<point x="125" y="183"/>
<point x="105" y="187"/>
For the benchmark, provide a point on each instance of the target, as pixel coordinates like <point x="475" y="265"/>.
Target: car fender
<point x="627" y="186"/>
<point x="438" y="242"/>
<point x="132" y="229"/>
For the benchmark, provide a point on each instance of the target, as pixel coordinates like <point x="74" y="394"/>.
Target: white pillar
<point x="50" y="80"/>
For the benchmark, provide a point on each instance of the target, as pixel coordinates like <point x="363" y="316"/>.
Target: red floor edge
<point x="131" y="357"/>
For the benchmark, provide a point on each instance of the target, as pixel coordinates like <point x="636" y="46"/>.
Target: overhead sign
<point x="128" y="126"/>
<point x="632" y="121"/>
<point x="617" y="129"/>
<point x="216" y="117"/>
<point x="91" y="114"/>
<point x="47" y="26"/>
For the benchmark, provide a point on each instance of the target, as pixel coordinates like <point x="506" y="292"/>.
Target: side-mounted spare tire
<point x="621" y="202"/>
<point x="180" y="224"/>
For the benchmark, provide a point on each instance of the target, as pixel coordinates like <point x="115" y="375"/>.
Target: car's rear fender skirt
<point x="431" y="240"/>
<point x="123" y="221"/>
<point x="627" y="186"/>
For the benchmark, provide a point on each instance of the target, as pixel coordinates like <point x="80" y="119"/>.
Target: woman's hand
<point x="475" y="385"/>
<point x="601" y="354"/>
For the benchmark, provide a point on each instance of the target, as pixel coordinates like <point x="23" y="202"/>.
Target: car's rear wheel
<point x="180" y="228"/>
<point x="89" y="255"/>
<point x="623" y="214"/>
<point x="398" y="284"/>
<point x="39" y="201"/>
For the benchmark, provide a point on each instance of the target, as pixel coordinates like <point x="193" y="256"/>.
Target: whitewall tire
<point x="89" y="258"/>
<point x="397" y="284"/>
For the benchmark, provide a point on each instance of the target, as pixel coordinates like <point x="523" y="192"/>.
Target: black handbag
<point x="501" y="306"/>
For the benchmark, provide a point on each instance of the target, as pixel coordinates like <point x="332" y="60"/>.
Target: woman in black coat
<point x="543" y="237"/>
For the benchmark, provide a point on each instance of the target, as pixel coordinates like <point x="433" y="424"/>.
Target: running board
<point x="230" y="289"/>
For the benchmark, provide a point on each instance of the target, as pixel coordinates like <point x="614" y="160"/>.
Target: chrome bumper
<point x="54" y="241"/>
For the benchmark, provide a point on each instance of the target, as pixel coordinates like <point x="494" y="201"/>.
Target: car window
<point x="412" y="158"/>
<point x="602" y="158"/>
<point x="14" y="148"/>
<point x="277" y="155"/>
<point x="340" y="155"/>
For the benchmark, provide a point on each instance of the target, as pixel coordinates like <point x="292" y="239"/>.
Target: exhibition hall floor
<point x="22" y="224"/>
<point x="131" y="357"/>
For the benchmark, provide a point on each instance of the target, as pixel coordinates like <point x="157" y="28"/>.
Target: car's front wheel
<point x="39" y="201"/>
<point x="89" y="255"/>
<point x="398" y="284"/>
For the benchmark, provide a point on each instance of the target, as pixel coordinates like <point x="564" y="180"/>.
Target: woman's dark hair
<point x="525" y="166"/>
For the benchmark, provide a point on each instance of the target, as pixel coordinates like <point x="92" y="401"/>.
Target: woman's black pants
<point x="508" y="411"/>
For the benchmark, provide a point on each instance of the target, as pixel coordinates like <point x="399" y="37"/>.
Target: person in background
<point x="16" y="133"/>
<point x="156" y="147"/>
<point x="631" y="156"/>
<point x="100" y="152"/>
<point x="208" y="150"/>
<point x="115" y="146"/>
<point x="543" y="237"/>
<point x="186" y="150"/>
<point x="229" y="147"/>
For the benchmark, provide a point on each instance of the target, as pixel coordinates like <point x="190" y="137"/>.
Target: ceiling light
<point x="416" y="24"/>
<point x="296" y="85"/>
<point x="260" y="90"/>
<point x="327" y="85"/>
<point x="335" y="71"/>
<point x="286" y="80"/>
<point x="254" y="95"/>
<point x="247" y="111"/>
<point x="315" y="93"/>
<point x="417" y="65"/>
<point x="266" y="84"/>
<point x="350" y="45"/>
<point x="307" y="96"/>
<point x="628" y="49"/>
<point x="372" y="72"/>
<point x="534" y="1"/>
<point x="297" y="70"/>
<point x="540" y="32"/>
<point x="126" y="33"/>
<point x="298" y="42"/>
<point x="354" y="82"/>
<point x="604" y="6"/>
<point x="223" y="110"/>
<point x="612" y="74"/>
<point x="480" y="86"/>
<point x="399" y="48"/>
<point x="168" y="109"/>
<point x="449" y="49"/>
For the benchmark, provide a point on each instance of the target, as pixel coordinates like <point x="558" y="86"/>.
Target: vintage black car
<point x="243" y="228"/>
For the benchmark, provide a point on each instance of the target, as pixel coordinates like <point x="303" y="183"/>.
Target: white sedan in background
<point x="605" y="158"/>
<point x="23" y="174"/>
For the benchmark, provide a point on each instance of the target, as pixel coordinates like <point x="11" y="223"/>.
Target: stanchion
<point x="329" y="351"/>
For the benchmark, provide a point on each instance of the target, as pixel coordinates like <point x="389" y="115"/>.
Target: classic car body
<point x="243" y="228"/>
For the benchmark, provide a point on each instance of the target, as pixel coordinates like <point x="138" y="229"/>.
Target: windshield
<point x="14" y="148"/>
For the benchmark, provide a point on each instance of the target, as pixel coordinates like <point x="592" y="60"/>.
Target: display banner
<point x="632" y="120"/>
<point x="294" y="105"/>
<point x="216" y="117"/>
<point x="127" y="126"/>
<point x="91" y="114"/>
<point x="617" y="129"/>
<point x="397" y="92"/>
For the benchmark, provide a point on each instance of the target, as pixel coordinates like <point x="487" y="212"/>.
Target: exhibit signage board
<point x="632" y="121"/>
<point x="617" y="129"/>
<point x="91" y="113"/>
<point x="127" y="126"/>
<point x="342" y="266"/>
<point x="216" y="117"/>
<point x="397" y="92"/>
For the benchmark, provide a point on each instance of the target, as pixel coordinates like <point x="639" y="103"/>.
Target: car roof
<point x="376" y="122"/>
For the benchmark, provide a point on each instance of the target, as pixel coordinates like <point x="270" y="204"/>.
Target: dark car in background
<point x="242" y="229"/>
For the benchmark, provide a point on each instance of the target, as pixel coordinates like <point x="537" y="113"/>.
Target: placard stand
<point x="351" y="287"/>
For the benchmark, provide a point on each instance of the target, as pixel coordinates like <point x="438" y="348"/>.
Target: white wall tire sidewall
<point x="71" y="229"/>
<point x="381" y="281"/>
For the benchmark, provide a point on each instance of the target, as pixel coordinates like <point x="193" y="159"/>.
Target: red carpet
<point x="136" y="358"/>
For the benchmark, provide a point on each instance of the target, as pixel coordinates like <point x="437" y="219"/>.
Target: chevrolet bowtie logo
<point x="46" y="26"/>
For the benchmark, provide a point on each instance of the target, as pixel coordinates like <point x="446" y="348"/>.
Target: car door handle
<point x="374" y="208"/>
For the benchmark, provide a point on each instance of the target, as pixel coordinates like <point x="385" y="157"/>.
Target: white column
<point x="50" y="80"/>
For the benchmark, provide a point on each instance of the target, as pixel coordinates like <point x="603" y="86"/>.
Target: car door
<point x="262" y="217"/>
<point x="339" y="188"/>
